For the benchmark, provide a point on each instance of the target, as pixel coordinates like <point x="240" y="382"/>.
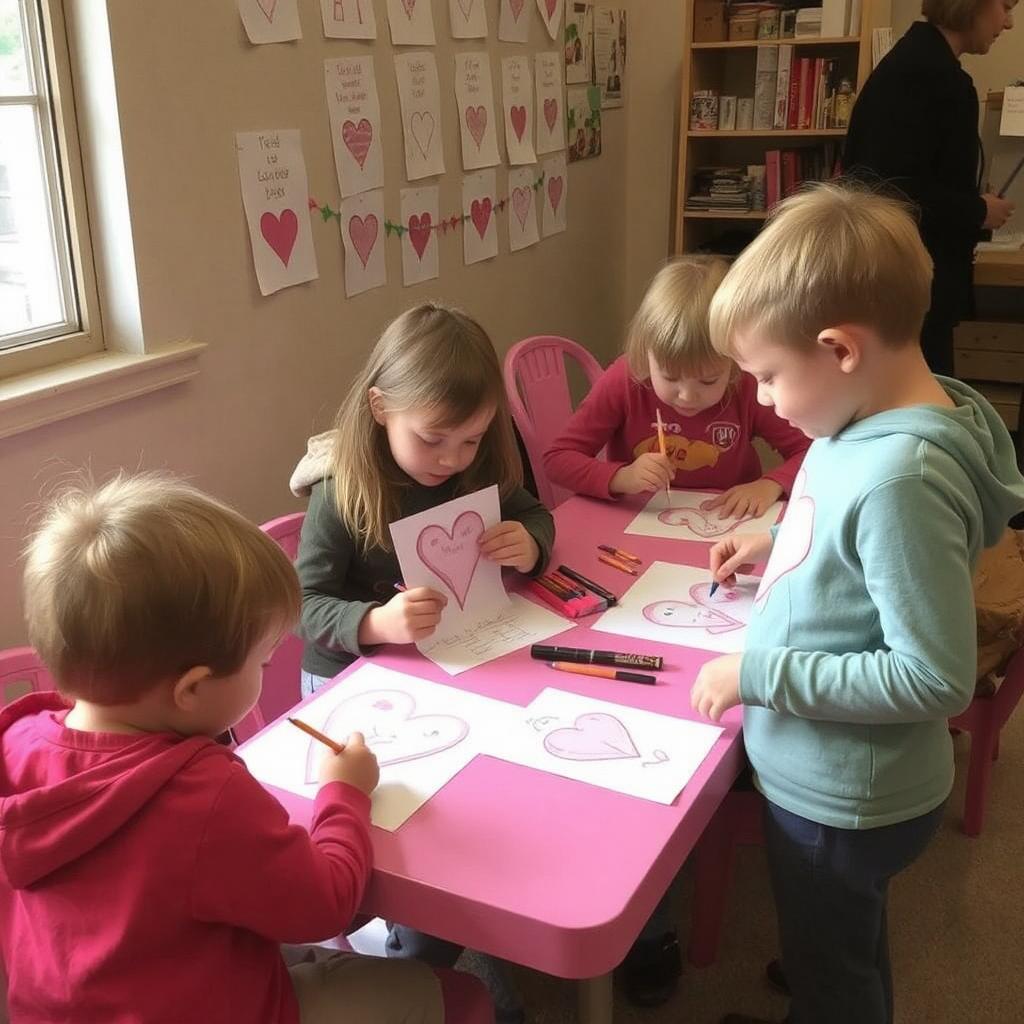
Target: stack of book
<point x="787" y="169"/>
<point x="805" y="93"/>
<point x="720" y="189"/>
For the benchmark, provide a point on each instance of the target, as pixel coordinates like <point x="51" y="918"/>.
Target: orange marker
<point x="317" y="735"/>
<point x="604" y="673"/>
<point x="616" y="564"/>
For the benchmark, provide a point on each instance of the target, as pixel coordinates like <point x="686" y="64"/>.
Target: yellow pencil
<point x="661" y="445"/>
<point x="317" y="735"/>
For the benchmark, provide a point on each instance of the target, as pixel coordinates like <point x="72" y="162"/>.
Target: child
<point x="862" y="642"/>
<point x="710" y="411"/>
<point x="145" y="874"/>
<point x="426" y="420"/>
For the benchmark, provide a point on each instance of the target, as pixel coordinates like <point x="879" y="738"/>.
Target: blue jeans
<point x="831" y="889"/>
<point x="309" y="683"/>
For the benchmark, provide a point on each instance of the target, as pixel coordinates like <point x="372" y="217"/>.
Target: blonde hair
<point x="672" y="322"/>
<point x="135" y="582"/>
<point x="834" y="254"/>
<point x="955" y="15"/>
<point x="432" y="358"/>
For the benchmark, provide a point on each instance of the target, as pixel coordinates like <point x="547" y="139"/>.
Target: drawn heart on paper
<point x="452" y="557"/>
<point x="516" y="7"/>
<point x="594" y="737"/>
<point x="394" y="732"/>
<point x="363" y="232"/>
<point x="358" y="138"/>
<point x="280" y="233"/>
<point x="793" y="540"/>
<point x="551" y="113"/>
<point x="551" y="5"/>
<point x="521" y="204"/>
<point x="465" y="6"/>
<point x="555" y="185"/>
<point x="700" y="521"/>
<point x="476" y="122"/>
<point x="480" y="212"/>
<point x="421" y="124"/>
<point x="410" y="6"/>
<point x="518" y="117"/>
<point x="419" y="232"/>
<point x="693" y="614"/>
<point x="267" y="7"/>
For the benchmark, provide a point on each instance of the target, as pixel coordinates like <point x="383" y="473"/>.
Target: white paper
<point x="275" y="194"/>
<point x="517" y="104"/>
<point x="354" y="112"/>
<point x="480" y="231"/>
<point x="672" y="604"/>
<point x="362" y="235"/>
<point x="610" y="53"/>
<point x="474" y="96"/>
<point x="468" y="18"/>
<point x="682" y="515"/>
<point x="423" y="734"/>
<point x="1012" y="120"/>
<point x="624" y="749"/>
<point x="551" y="15"/>
<point x="412" y="22"/>
<point x="420" y="98"/>
<point x="349" y="19"/>
<point x="579" y="42"/>
<point x="440" y="549"/>
<point x="419" y="240"/>
<point x="550" y="109"/>
<point x="555" y="195"/>
<point x="522" y="208"/>
<point x="514" y="21"/>
<point x="270" y="21"/>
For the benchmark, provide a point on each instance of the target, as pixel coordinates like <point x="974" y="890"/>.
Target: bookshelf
<point x="728" y="68"/>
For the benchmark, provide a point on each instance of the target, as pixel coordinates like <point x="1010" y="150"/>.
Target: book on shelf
<point x="765" y="76"/>
<point x="787" y="169"/>
<point x="808" y="22"/>
<point x="720" y="190"/>
<point x="782" y="85"/>
<point x="835" y="17"/>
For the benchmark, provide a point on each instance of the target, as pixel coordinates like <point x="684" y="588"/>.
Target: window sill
<point x="34" y="399"/>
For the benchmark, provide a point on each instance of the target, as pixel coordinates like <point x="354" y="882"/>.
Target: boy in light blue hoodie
<point x="862" y="641"/>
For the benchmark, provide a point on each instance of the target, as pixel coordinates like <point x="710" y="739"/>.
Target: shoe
<point x="775" y="977"/>
<point x="651" y="970"/>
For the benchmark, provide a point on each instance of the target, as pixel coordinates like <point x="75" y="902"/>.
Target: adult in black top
<point x="915" y="125"/>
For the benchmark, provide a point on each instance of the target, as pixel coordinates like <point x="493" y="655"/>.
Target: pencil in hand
<point x="317" y="735"/>
<point x="661" y="446"/>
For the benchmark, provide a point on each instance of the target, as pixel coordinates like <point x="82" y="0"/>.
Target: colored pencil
<point x="616" y="564"/>
<point x="661" y="445"/>
<point x="317" y="735"/>
<point x="604" y="673"/>
<point x="619" y="553"/>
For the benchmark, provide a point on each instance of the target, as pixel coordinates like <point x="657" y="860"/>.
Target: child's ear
<point x="376" y="397"/>
<point x="185" y="692"/>
<point x="845" y="344"/>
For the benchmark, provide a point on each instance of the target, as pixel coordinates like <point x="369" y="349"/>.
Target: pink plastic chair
<point x="538" y="393"/>
<point x="22" y="671"/>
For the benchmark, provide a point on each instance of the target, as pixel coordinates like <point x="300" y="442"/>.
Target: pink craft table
<point x="544" y="871"/>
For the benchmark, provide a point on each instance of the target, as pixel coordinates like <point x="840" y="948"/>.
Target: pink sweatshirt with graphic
<point x="710" y="451"/>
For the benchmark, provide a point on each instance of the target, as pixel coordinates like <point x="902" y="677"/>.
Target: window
<point x="41" y="267"/>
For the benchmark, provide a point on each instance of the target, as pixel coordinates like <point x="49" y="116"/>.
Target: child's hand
<point x="746" y="499"/>
<point x="356" y="765"/>
<point x="410" y="616"/>
<point x="738" y="554"/>
<point x="651" y="471"/>
<point x="717" y="687"/>
<point x="510" y="543"/>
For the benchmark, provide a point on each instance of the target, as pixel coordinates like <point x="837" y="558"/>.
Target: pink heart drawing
<point x="410" y="6"/>
<point x="480" y="212"/>
<point x="419" y="232"/>
<point x="700" y="521"/>
<point x="792" y="541"/>
<point x="358" y="138"/>
<point x="516" y="7"/>
<point x="421" y="125"/>
<point x="280" y="233"/>
<point x="695" y="613"/>
<point x="476" y="122"/>
<point x="594" y="737"/>
<point x="267" y="7"/>
<point x="466" y="6"/>
<point x="453" y="556"/>
<point x="551" y="5"/>
<point x="551" y="113"/>
<point x="363" y="232"/>
<point x="517" y="115"/>
<point x="555" y="185"/>
<point x="393" y="731"/>
<point x="521" y="200"/>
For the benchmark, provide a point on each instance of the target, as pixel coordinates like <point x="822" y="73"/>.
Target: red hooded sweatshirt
<point x="149" y="879"/>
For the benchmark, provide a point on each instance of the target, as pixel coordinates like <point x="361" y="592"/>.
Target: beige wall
<point x="276" y="368"/>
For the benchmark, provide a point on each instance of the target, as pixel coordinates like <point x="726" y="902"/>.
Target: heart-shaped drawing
<point x="363" y="232"/>
<point x="267" y="7"/>
<point x="476" y="122"/>
<point x="419" y="232"/>
<point x="551" y="113"/>
<point x="357" y="137"/>
<point x="551" y="5"/>
<point x="701" y="522"/>
<point x="521" y="199"/>
<point x="555" y="185"/>
<point x="410" y="6"/>
<point x="280" y="233"/>
<point x="517" y="115"/>
<point x="466" y="6"/>
<point x="792" y="541"/>
<point x="480" y="212"/>
<point x="393" y="731"/>
<point x="421" y="125"/>
<point x="693" y="614"/>
<point x="453" y="556"/>
<point x="516" y="7"/>
<point x="594" y="737"/>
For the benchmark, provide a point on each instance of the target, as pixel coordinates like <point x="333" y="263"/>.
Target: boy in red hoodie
<point x="145" y="876"/>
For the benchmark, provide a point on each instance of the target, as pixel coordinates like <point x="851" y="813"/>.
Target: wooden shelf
<point x="745" y="44"/>
<point x="723" y="215"/>
<point x="768" y="133"/>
